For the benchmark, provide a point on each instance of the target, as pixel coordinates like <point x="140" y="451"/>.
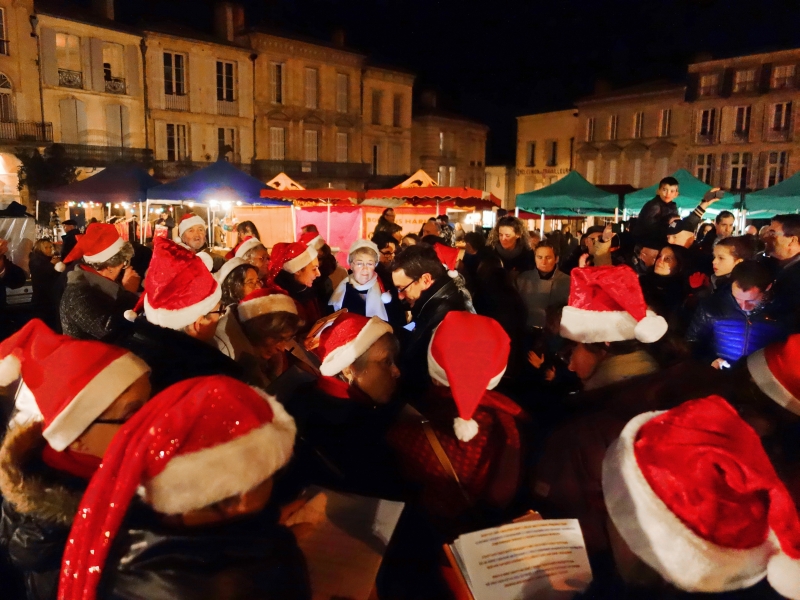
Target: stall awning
<point x="314" y="197"/>
<point x="691" y="191"/>
<point x="114" y="184"/>
<point x="444" y="197"/>
<point x="282" y="181"/>
<point x="781" y="198"/>
<point x="571" y="195"/>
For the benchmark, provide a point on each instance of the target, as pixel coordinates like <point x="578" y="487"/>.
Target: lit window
<point x="174" y="74"/>
<point x="783" y="77"/>
<point x="744" y="81"/>
<point x="176" y="142"/>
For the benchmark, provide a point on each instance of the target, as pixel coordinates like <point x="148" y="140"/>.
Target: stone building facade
<point x="545" y="148"/>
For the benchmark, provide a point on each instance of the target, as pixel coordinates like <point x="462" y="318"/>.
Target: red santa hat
<point x="469" y="354"/>
<point x="188" y="221"/>
<point x="606" y="305"/>
<point x="312" y="239"/>
<point x="449" y="257"/>
<point x="73" y="381"/>
<point x="226" y="269"/>
<point x="348" y="337"/>
<point x="198" y="442"/>
<point x="270" y="299"/>
<point x="693" y="494"/>
<point x="247" y="244"/>
<point x="100" y="242"/>
<point x="295" y="256"/>
<point x="774" y="369"/>
<point x="178" y="288"/>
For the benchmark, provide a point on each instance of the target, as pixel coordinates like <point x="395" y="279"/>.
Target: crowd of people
<point x="168" y="405"/>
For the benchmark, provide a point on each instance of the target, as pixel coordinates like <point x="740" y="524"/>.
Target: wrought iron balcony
<point x="173" y="169"/>
<point x="706" y="138"/>
<point x="779" y="135"/>
<point x="267" y="169"/>
<point x="115" y="85"/>
<point x="741" y="135"/>
<point x="230" y="109"/>
<point x="26" y="131"/>
<point x="70" y="79"/>
<point x="99" y="156"/>
<point x="176" y="101"/>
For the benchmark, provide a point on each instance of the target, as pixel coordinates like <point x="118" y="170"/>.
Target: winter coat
<point x="46" y="291"/>
<point x="654" y="218"/>
<point x="174" y="355"/>
<point x="252" y="558"/>
<point x="786" y="291"/>
<point x="39" y="504"/>
<point x="395" y="309"/>
<point x="540" y="294"/>
<point x="428" y="311"/>
<point x="233" y="343"/>
<point x="12" y="277"/>
<point x="307" y="299"/>
<point x="93" y="307"/>
<point x="69" y="240"/>
<point x="720" y="329"/>
<point x="518" y="260"/>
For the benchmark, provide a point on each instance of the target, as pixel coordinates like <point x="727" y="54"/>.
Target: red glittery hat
<point x="347" y="338"/>
<point x="100" y="242"/>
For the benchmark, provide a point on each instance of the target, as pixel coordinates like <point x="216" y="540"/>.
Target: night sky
<point x="494" y="61"/>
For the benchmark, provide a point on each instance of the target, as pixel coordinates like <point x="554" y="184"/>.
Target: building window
<point x="452" y="179"/>
<point x="442" y="176"/>
<point x="705" y="166"/>
<point x="638" y="125"/>
<point x="3" y="34"/>
<point x="114" y="68"/>
<point x="740" y="165"/>
<point x="68" y="56"/>
<point x="530" y="155"/>
<point x="776" y="168"/>
<point x="276" y="77"/>
<point x="744" y="81"/>
<point x="277" y="143"/>
<point x="782" y="77"/>
<point x="781" y="116"/>
<point x="397" y="110"/>
<point x="342" y="92"/>
<point x="375" y="159"/>
<point x="708" y="123"/>
<point x="377" y="97"/>
<point x="612" y="171"/>
<point x="709" y="84"/>
<point x="6" y="104"/>
<point x="664" y="122"/>
<point x="311" y="87"/>
<point x="176" y="142"/>
<point x="225" y="81"/>
<point x="311" y="145"/>
<point x="174" y="74"/>
<point x="226" y="140"/>
<point x="590" y="129"/>
<point x="613" y="126"/>
<point x="341" y="147"/>
<point x="552" y="153"/>
<point x="742" y="123"/>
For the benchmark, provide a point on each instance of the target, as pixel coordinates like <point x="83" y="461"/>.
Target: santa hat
<point x="774" y="369"/>
<point x="226" y="269"/>
<point x="196" y="443"/>
<point x="469" y="354"/>
<point x="263" y="301"/>
<point x="73" y="381"/>
<point x="365" y="244"/>
<point x="449" y="257"/>
<point x="606" y="305"/>
<point x="295" y="256"/>
<point x="312" y="239"/>
<point x="178" y="289"/>
<point x="188" y="221"/>
<point x="100" y="242"/>
<point x="247" y="244"/>
<point x="348" y="337"/>
<point x="693" y="494"/>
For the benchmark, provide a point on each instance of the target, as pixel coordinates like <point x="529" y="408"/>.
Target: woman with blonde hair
<point x="510" y="241"/>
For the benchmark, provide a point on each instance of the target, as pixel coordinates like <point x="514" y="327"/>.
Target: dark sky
<point x="494" y="61"/>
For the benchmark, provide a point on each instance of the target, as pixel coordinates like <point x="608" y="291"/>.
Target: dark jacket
<point x="516" y="261"/>
<point x="307" y="298"/>
<point x="93" y="307"/>
<point x="174" y="356"/>
<point x="13" y="277"/>
<point x="654" y="217"/>
<point x="69" y="240"/>
<point x="253" y="558"/>
<point x="39" y="504"/>
<point x="46" y="291"/>
<point x="786" y="291"/>
<point x="395" y="310"/>
<point x="720" y="329"/>
<point x="428" y="311"/>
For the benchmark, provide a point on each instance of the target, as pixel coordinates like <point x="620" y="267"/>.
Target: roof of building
<point x="572" y="110"/>
<point x="65" y="10"/>
<point x="768" y="53"/>
<point x="642" y="89"/>
<point x="287" y="35"/>
<point x="179" y="30"/>
<point x="437" y="113"/>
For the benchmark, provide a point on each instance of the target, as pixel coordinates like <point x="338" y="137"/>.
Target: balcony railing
<point x="706" y="138"/>
<point x="741" y="135"/>
<point x="100" y="156"/>
<point x="70" y="79"/>
<point x="26" y="131"/>
<point x="267" y="169"/>
<point x="168" y="169"/>
<point x="115" y="85"/>
<point x="230" y="109"/>
<point x="176" y="102"/>
<point x="778" y="135"/>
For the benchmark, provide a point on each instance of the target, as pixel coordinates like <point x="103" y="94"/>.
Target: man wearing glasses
<point x="783" y="244"/>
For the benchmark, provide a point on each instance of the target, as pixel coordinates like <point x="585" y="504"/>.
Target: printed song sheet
<point x="533" y="560"/>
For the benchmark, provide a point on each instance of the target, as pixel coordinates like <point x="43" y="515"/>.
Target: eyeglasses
<point x="403" y="289"/>
<point x="109" y="421"/>
<point x="388" y="253"/>
<point x="363" y="265"/>
<point x="219" y="312"/>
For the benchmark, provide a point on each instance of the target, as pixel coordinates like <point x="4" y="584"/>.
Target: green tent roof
<point x="691" y="189"/>
<point x="782" y="198"/>
<point x="570" y="195"/>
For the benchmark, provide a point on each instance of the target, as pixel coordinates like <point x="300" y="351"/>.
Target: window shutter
<point x="69" y="121"/>
<point x="724" y="170"/>
<point x="96" y="65"/>
<point x="194" y="145"/>
<point x="765" y="76"/>
<point x="194" y="82"/>
<point x="161" y="140"/>
<point x="47" y="38"/>
<point x="692" y="83"/>
<point x="83" y="126"/>
<point x="727" y="83"/>
<point x="712" y="123"/>
<point x="125" y="124"/>
<point x="761" y="169"/>
<point x="132" y="82"/>
<point x="788" y="116"/>
<point x="113" y="125"/>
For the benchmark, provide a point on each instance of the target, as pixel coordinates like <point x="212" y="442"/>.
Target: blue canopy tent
<point x="691" y="193"/>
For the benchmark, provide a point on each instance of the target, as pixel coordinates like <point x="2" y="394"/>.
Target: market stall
<point x="781" y="198"/>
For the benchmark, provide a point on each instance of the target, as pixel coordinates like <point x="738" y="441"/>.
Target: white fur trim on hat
<point x="317" y="243"/>
<point x="592" y="326"/>
<point x="10" y="368"/>
<point x="264" y="305"/>
<point x="657" y="536"/>
<point x="187" y="224"/>
<point x="90" y="402"/>
<point x="363" y="245"/>
<point x="767" y="383"/>
<point x="104" y="255"/>
<point x="300" y="261"/>
<point x="181" y="317"/>
<point x="342" y="357"/>
<point x="207" y="260"/>
<point x="196" y="480"/>
<point x="246" y="246"/>
<point x="226" y="269"/>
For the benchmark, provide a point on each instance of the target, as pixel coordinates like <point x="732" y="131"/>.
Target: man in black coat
<point x="70" y="237"/>
<point x="783" y="245"/>
<point x="11" y="276"/>
<point x="423" y="284"/>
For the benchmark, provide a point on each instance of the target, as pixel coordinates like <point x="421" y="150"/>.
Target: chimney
<point x="228" y="20"/>
<point x="104" y="8"/>
<point x="602" y="86"/>
<point x="338" y="38"/>
<point x="428" y="99"/>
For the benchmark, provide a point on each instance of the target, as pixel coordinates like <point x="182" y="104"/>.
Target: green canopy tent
<point x="570" y="196"/>
<point x="691" y="190"/>
<point x="780" y="199"/>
